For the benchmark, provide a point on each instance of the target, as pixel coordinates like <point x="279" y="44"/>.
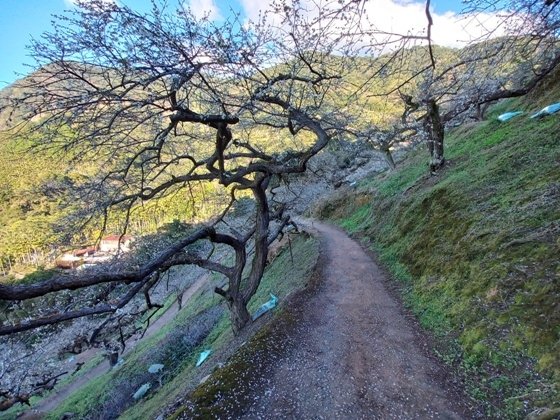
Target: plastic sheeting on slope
<point x="508" y="116"/>
<point x="266" y="307"/>
<point x="549" y="110"/>
<point x="203" y="356"/>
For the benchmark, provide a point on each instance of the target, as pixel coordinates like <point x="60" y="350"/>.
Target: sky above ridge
<point x="22" y="19"/>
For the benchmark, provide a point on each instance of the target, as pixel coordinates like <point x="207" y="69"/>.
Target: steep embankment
<point x="201" y="324"/>
<point x="476" y="249"/>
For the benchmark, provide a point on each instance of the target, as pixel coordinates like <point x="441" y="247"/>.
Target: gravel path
<point x="357" y="355"/>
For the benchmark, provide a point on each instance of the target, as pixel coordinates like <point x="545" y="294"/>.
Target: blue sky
<point x="22" y="19"/>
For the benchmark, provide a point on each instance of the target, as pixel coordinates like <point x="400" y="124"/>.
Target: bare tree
<point x="492" y="69"/>
<point x="441" y="90"/>
<point x="476" y="81"/>
<point x="147" y="104"/>
<point x="154" y="101"/>
<point x="393" y="133"/>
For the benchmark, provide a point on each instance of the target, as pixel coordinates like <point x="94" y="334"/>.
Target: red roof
<point x="115" y="238"/>
<point x="84" y="251"/>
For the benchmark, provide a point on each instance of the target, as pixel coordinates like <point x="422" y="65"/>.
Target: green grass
<point x="476" y="250"/>
<point x="281" y="278"/>
<point x="286" y="275"/>
<point x="87" y="399"/>
<point x="14" y="411"/>
<point x="226" y="389"/>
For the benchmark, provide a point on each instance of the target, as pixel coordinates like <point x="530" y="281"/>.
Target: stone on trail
<point x="204" y="379"/>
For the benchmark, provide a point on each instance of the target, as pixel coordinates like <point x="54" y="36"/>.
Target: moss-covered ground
<point x="477" y="251"/>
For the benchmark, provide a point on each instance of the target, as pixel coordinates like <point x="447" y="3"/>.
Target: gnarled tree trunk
<point x="389" y="158"/>
<point x="238" y="314"/>
<point x="236" y="297"/>
<point x="435" y="130"/>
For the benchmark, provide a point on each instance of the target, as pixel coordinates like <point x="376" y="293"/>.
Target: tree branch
<point x="76" y="281"/>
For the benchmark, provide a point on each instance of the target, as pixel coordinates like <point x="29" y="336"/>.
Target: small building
<point x="84" y="252"/>
<point x="114" y="243"/>
<point x="68" y="261"/>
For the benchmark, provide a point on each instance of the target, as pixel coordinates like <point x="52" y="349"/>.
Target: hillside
<point x="38" y="183"/>
<point x="474" y="248"/>
<point x="475" y="251"/>
<point x="98" y="390"/>
<point x="41" y="178"/>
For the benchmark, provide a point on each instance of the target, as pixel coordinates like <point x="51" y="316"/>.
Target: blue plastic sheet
<point x="141" y="391"/>
<point x="203" y="356"/>
<point x="509" y="115"/>
<point x="156" y="368"/>
<point x="551" y="109"/>
<point x="266" y="307"/>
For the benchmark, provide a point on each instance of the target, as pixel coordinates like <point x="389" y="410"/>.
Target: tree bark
<point x="436" y="133"/>
<point x="481" y="111"/>
<point x="113" y="358"/>
<point x="237" y="298"/>
<point x="238" y="313"/>
<point x="9" y="402"/>
<point x="389" y="158"/>
<point x="262" y="223"/>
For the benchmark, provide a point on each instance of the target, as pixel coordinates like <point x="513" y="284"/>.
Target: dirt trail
<point x="357" y="354"/>
<point x="60" y="394"/>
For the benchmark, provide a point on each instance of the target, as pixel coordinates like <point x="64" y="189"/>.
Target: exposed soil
<point x="353" y="353"/>
<point x="358" y="356"/>
<point x="60" y="394"/>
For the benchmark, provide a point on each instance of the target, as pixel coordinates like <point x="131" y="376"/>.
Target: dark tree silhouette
<point x="155" y="102"/>
<point x="163" y="100"/>
<point x="442" y="90"/>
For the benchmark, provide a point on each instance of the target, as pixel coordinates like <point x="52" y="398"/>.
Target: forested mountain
<point x="35" y="179"/>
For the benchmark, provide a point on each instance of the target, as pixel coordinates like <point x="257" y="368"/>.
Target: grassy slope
<point x="230" y="388"/>
<point x="477" y="251"/>
<point x="281" y="278"/>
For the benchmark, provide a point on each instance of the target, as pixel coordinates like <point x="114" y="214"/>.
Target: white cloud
<point x="408" y="17"/>
<point x="449" y="28"/>
<point x="205" y="8"/>
<point x="252" y="8"/>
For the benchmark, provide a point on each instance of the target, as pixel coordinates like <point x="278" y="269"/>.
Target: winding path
<point x="357" y="354"/>
<point x="354" y="353"/>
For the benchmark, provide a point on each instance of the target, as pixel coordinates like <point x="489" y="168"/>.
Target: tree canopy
<point x="155" y="102"/>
